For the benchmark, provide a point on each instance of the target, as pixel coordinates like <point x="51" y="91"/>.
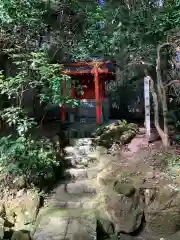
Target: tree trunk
<point x="163" y="98"/>
<point x="161" y="93"/>
<point x="165" y="141"/>
<point x="162" y="134"/>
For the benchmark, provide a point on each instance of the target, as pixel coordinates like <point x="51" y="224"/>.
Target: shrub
<point x="25" y="162"/>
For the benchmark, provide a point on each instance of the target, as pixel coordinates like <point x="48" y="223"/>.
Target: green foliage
<point x="128" y="35"/>
<point x="173" y="118"/>
<point x="14" y="116"/>
<point x="35" y="71"/>
<point x="21" y="23"/>
<point x="22" y="156"/>
<point x="95" y="36"/>
<point x="173" y="164"/>
<point x="32" y="160"/>
<point x="47" y="76"/>
<point x="24" y="12"/>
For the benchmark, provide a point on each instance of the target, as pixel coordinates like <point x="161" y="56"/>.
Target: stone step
<point x="92" y="172"/>
<point x="65" y="198"/>
<point x="82" y="173"/>
<point x="84" y="203"/>
<point x="80" y="142"/>
<point x="78" y="194"/>
<point x="77" y="173"/>
<point x="78" y="160"/>
<point x="79" y="187"/>
<point x="80" y="152"/>
<point x="66" y="227"/>
<point x="76" y="134"/>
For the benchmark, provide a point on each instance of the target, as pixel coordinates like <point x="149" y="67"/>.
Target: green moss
<point x="124" y="188"/>
<point x="120" y="132"/>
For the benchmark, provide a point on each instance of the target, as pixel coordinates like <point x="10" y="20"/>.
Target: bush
<point x="25" y="162"/>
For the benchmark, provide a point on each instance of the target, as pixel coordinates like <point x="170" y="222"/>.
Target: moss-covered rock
<point x="1" y="228"/>
<point x="21" y="235"/>
<point x="104" y="229"/>
<point x="124" y="188"/>
<point x="124" y="212"/>
<point x="162" y="213"/>
<point x="120" y="132"/>
<point x="122" y="204"/>
<point x="22" y="211"/>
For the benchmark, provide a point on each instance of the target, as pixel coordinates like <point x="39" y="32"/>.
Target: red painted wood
<point x="94" y="78"/>
<point x="88" y="90"/>
<point x="86" y="63"/>
<point x="100" y="90"/>
<point x="97" y="95"/>
<point x="78" y="72"/>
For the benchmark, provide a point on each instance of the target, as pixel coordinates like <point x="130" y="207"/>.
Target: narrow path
<point x="70" y="210"/>
<point x="71" y="207"/>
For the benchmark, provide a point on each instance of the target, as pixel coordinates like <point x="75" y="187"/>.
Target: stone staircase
<point x="70" y="210"/>
<point x="84" y="131"/>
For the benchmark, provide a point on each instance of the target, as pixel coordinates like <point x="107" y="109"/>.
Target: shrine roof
<point x="85" y="67"/>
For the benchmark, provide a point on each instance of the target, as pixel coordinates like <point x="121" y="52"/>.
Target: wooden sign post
<point x="147" y="106"/>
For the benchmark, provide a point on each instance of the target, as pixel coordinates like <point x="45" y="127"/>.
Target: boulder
<point x="21" y="235"/>
<point x="22" y="211"/>
<point x="124" y="188"/>
<point x="2" y="209"/>
<point x="124" y="212"/>
<point x="122" y="201"/>
<point x="1" y="228"/>
<point x="123" y="207"/>
<point x="162" y="211"/>
<point x="120" y="132"/>
<point x="104" y="229"/>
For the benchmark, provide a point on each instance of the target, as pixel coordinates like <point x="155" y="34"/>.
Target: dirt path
<point x="144" y="159"/>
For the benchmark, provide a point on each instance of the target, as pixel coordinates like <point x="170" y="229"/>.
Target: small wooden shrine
<point x="92" y="74"/>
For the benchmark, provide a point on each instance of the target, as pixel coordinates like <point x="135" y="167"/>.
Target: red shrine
<point x="93" y="75"/>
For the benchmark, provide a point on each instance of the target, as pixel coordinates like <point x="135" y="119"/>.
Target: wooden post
<point x="101" y="98"/>
<point x="147" y="106"/>
<point x="97" y="95"/>
<point x="63" y="112"/>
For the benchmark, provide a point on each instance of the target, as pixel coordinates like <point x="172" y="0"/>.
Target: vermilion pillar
<point x="97" y="95"/>
<point x="63" y="112"/>
<point x="101" y="97"/>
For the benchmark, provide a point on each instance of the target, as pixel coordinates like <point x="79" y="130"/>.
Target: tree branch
<point x="171" y="83"/>
<point x="160" y="85"/>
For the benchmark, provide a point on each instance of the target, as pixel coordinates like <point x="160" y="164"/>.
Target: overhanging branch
<point x="171" y="83"/>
